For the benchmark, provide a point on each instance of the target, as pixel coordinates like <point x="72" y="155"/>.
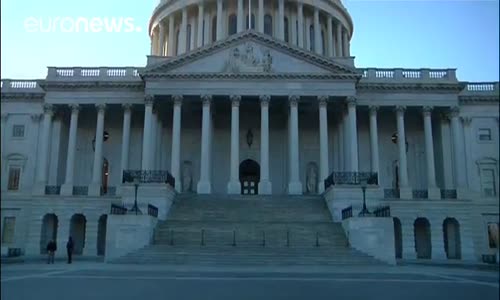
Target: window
<point x="484" y="134"/>
<point x="18" y="131"/>
<point x="253" y="21"/>
<point x="311" y="38"/>
<point x="488" y="182"/>
<point x="268" y="25"/>
<point x="493" y="235"/>
<point x="188" y="38"/>
<point x="232" y="24"/>
<point x="286" y="29"/>
<point x="214" y="29"/>
<point x="9" y="224"/>
<point x="14" y="176"/>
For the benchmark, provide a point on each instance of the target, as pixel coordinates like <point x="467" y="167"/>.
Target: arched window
<point x="311" y="38"/>
<point x="177" y="35"/>
<point x="253" y="21"/>
<point x="268" y="25"/>
<point x="188" y="38"/>
<point x="286" y="29"/>
<point x="323" y="42"/>
<point x="232" y="24"/>
<point x="214" y="29"/>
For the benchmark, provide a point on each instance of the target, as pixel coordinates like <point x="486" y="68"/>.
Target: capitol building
<point x="243" y="101"/>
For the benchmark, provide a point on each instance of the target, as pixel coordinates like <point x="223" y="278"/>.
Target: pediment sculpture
<point x="245" y="59"/>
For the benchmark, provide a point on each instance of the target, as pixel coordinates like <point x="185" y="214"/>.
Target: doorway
<point x="249" y="177"/>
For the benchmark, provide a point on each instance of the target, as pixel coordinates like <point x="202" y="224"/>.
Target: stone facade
<point x="269" y="110"/>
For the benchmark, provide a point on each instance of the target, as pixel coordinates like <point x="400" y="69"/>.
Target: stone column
<point x="219" y="21"/>
<point x="204" y="185"/>
<point x="460" y="175"/>
<point x="260" y="17"/>
<point x="338" y="41"/>
<point x="340" y="132"/>
<point x="162" y="39"/>
<point x="183" y="32"/>
<point x="437" y="239"/>
<point x="281" y="20"/>
<point x="95" y="185"/>
<point x="347" y="143"/>
<point x="374" y="141"/>
<point x="323" y="143"/>
<point x="240" y="18"/>
<point x="127" y="117"/>
<point x="265" y="187"/>
<point x="408" y="237"/>
<point x="404" y="189"/>
<point x="353" y="133"/>
<point x="199" y="34"/>
<point x="146" y="137"/>
<point x="300" y="19"/>
<point x="294" y="186"/>
<point x="153" y="43"/>
<point x="345" y="43"/>
<point x="317" y="33"/>
<point x="153" y="141"/>
<point x="329" y="33"/>
<point x="171" y="35"/>
<point x="234" y="185"/>
<point x="67" y="187"/>
<point x="91" y="228"/>
<point x="44" y="157"/>
<point x="433" y="191"/>
<point x="176" y="142"/>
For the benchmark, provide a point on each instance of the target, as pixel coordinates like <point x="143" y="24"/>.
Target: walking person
<point x="51" y="250"/>
<point x="69" y="247"/>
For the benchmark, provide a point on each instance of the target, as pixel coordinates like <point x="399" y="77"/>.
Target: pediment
<point x="250" y="54"/>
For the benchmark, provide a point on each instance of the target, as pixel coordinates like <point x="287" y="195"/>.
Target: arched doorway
<point x="422" y="231"/>
<point x="77" y="231"/>
<point x="49" y="231"/>
<point x="101" y="235"/>
<point x="105" y="175"/>
<point x="451" y="236"/>
<point x="398" y="238"/>
<point x="249" y="177"/>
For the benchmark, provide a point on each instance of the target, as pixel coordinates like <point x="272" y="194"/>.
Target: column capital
<point x="177" y="99"/>
<point x="264" y="99"/>
<point x="149" y="99"/>
<point x="322" y="100"/>
<point x="427" y="110"/>
<point x="235" y="100"/>
<point x="101" y="107"/>
<point x="294" y="100"/>
<point x="75" y="108"/>
<point x="373" y="109"/>
<point x="351" y="101"/>
<point x="127" y="107"/>
<point x="34" y="117"/>
<point x="400" y="109"/>
<point x="48" y="109"/>
<point x="466" y="120"/>
<point x="206" y="99"/>
<point x="454" y="112"/>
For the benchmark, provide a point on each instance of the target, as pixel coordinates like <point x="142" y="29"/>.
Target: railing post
<point x="77" y="72"/>
<point x="451" y="74"/>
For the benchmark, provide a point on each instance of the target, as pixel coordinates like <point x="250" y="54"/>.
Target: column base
<point x="94" y="190"/>
<point x="234" y="188"/>
<point x="265" y="188"/>
<point x="38" y="189"/>
<point x="178" y="187"/>
<point x="67" y="189"/>
<point x="295" y="188"/>
<point x="434" y="193"/>
<point x="204" y="187"/>
<point x="405" y="193"/>
<point x="463" y="193"/>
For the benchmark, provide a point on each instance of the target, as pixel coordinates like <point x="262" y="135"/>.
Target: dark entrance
<point x="249" y="177"/>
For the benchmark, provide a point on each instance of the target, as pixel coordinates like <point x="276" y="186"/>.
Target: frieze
<point x="246" y="59"/>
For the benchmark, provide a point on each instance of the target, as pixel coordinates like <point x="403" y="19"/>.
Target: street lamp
<point x="364" y="212"/>
<point x="135" y="208"/>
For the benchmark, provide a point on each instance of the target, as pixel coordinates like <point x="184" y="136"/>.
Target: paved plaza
<point x="86" y="280"/>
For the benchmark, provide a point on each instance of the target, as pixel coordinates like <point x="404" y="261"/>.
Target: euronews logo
<point x="81" y="24"/>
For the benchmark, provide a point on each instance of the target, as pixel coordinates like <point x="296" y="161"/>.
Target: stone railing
<point x="98" y="73"/>
<point x="13" y="85"/>
<point x="397" y="74"/>
<point x="481" y="88"/>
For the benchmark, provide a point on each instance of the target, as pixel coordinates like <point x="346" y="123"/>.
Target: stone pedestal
<point x="295" y="188"/>
<point x="95" y="190"/>
<point x="204" y="187"/>
<point x="406" y="193"/>
<point x="265" y="188"/>
<point x="67" y="189"/>
<point x="234" y="188"/>
<point x="38" y="189"/>
<point x="434" y="193"/>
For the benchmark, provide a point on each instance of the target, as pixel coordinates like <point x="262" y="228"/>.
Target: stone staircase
<point x="248" y="230"/>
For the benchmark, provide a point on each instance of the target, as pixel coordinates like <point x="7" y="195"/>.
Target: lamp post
<point x="135" y="208"/>
<point x="364" y="212"/>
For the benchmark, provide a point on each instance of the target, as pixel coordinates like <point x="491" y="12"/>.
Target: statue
<point x="267" y="61"/>
<point x="312" y="178"/>
<point x="187" y="177"/>
<point x="245" y="59"/>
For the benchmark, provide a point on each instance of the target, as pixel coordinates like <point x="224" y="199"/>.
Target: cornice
<point x="252" y="76"/>
<point x="6" y="97"/>
<point x="395" y="86"/>
<point x="478" y="99"/>
<point x="50" y="85"/>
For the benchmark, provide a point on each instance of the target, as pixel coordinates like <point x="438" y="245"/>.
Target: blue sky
<point x="458" y="34"/>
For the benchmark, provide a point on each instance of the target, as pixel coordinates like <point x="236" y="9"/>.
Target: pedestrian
<point x="69" y="247"/>
<point x="51" y="250"/>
